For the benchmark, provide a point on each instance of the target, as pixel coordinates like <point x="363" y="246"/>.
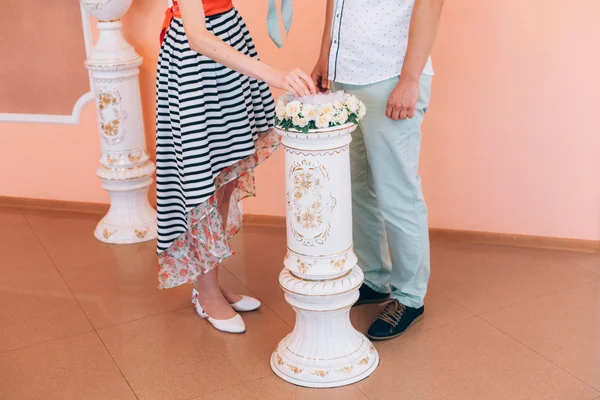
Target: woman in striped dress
<point x="214" y="119"/>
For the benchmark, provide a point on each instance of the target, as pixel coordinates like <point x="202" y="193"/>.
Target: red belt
<point x="172" y="12"/>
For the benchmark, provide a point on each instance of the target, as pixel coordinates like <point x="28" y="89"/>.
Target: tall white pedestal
<point x="125" y="168"/>
<point x="320" y="278"/>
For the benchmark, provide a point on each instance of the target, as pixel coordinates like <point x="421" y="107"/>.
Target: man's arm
<point x="424" y="24"/>
<point x="321" y="70"/>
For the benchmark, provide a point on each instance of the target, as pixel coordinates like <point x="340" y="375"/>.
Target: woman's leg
<point x="214" y="300"/>
<point x="211" y="298"/>
<point x="224" y="201"/>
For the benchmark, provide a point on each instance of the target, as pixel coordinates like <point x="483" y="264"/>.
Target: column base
<point x="130" y="218"/>
<point x="322" y="383"/>
<point x="324" y="350"/>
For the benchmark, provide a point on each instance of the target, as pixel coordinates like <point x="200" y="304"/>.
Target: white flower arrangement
<point x="319" y="111"/>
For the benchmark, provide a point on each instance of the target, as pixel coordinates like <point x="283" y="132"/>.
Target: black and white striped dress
<point x="213" y="127"/>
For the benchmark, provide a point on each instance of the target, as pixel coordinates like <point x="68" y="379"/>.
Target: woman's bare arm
<point x="204" y="42"/>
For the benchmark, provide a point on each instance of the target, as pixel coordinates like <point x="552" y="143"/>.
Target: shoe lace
<point x="394" y="310"/>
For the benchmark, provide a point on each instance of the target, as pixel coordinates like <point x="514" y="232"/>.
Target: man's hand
<point x="403" y="100"/>
<point x="320" y="75"/>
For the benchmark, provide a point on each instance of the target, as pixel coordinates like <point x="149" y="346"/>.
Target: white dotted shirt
<point x="369" y="40"/>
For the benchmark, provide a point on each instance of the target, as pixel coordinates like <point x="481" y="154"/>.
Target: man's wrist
<point x="409" y="77"/>
<point x="324" y="53"/>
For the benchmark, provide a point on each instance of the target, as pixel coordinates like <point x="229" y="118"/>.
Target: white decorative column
<point x="125" y="168"/>
<point x="320" y="278"/>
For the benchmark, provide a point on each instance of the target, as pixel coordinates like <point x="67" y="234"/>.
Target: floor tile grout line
<point x="237" y="279"/>
<point x="262" y="302"/>
<point x="94" y="328"/>
<point x="432" y="328"/>
<point x="157" y="315"/>
<point x="445" y="296"/>
<point x="538" y="353"/>
<point x="280" y="317"/>
<point x="56" y="267"/>
<point x="595" y="281"/>
<point x="232" y="387"/>
<point x="240" y="384"/>
<point x="553" y="293"/>
<point x="521" y="246"/>
<point x="77" y="301"/>
<point x="357" y="388"/>
<point x="87" y="317"/>
<point x="47" y="341"/>
<point x="141" y="318"/>
<point x="474" y="314"/>
<point x="116" y="364"/>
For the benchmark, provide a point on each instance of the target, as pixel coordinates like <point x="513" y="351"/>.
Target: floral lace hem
<point x="205" y="244"/>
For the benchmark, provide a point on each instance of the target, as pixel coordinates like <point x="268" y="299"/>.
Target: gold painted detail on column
<point x="320" y="373"/>
<point x="107" y="234"/>
<point x="112" y="160"/>
<point x="345" y="370"/>
<point x="304" y="265"/>
<point x="338" y="264"/>
<point x="95" y="4"/>
<point x="279" y="359"/>
<point x="134" y="157"/>
<point x="114" y="67"/>
<point x="294" y="369"/>
<point x="124" y="174"/>
<point x="310" y="209"/>
<point x="326" y="359"/>
<point x="110" y="116"/>
<point x="141" y="233"/>
<point x="331" y="152"/>
<point x="348" y="369"/>
<point x="318" y="255"/>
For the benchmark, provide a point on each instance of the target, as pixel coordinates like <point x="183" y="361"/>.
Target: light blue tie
<point x="273" y="20"/>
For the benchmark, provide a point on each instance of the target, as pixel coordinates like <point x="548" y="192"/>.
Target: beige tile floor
<point x="83" y="320"/>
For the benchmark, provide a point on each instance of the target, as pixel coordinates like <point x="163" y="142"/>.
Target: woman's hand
<point x="206" y="43"/>
<point x="295" y="81"/>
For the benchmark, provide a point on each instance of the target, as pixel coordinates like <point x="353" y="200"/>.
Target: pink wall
<point x="51" y="161"/>
<point x="20" y="79"/>
<point x="509" y="142"/>
<point x="512" y="143"/>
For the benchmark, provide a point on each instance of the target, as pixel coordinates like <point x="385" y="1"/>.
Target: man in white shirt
<point x="378" y="50"/>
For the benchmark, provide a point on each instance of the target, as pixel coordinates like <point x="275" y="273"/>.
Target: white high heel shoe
<point x="234" y="324"/>
<point x="247" y="303"/>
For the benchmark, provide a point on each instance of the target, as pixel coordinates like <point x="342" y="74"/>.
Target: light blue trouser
<point x="390" y="216"/>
